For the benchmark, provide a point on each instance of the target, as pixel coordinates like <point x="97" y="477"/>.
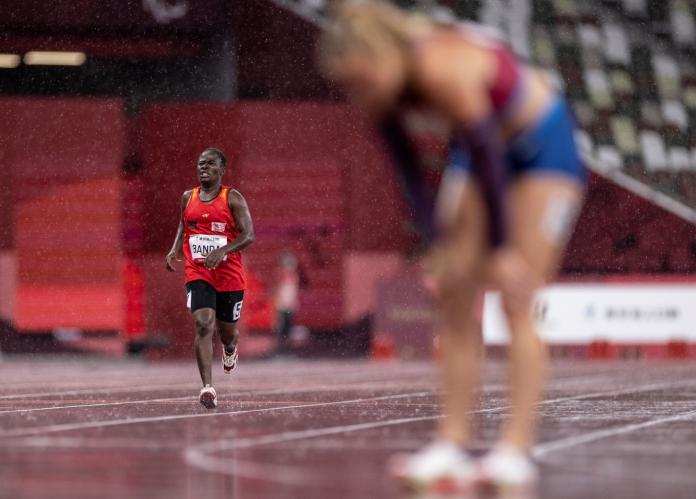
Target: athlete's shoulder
<point x="235" y="196"/>
<point x="186" y="197"/>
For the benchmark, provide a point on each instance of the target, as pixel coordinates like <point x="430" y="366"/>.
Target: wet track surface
<point x="83" y="429"/>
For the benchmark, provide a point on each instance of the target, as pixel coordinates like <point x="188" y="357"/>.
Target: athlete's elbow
<point x="250" y="238"/>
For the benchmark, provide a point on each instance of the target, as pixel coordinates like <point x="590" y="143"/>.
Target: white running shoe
<point x="508" y="470"/>
<point x="229" y="360"/>
<point x="441" y="468"/>
<point x="208" y="397"/>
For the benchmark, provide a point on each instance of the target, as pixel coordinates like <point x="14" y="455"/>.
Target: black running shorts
<point x="227" y="304"/>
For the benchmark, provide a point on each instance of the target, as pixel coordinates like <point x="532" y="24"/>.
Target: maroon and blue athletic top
<point x="480" y="140"/>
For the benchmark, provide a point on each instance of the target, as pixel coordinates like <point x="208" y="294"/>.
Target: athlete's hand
<point x="214" y="258"/>
<point x="444" y="270"/>
<point x="431" y="271"/>
<point x="171" y="256"/>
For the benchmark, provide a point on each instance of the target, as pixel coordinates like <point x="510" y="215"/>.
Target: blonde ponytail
<point x="374" y="28"/>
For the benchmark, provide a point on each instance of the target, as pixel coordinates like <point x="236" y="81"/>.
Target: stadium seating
<point x="633" y="90"/>
<point x="626" y="65"/>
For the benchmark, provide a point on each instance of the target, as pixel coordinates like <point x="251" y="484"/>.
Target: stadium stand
<point x="626" y="65"/>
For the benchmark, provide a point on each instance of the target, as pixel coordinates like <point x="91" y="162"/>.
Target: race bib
<point x="201" y="245"/>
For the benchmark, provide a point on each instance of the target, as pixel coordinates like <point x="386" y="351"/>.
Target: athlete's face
<point x="209" y="168"/>
<point x="372" y="83"/>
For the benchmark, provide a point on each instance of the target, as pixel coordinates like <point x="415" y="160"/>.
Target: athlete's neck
<point x="211" y="190"/>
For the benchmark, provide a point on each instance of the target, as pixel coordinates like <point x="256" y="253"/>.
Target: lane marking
<point x="238" y="380"/>
<point x="91" y="443"/>
<point x="101" y="404"/>
<point x="310" y="433"/>
<point x="166" y="371"/>
<point x="242" y="378"/>
<point x="84" y="391"/>
<point x="203" y="461"/>
<point x="545" y="448"/>
<point x="183" y="385"/>
<point x="130" y="421"/>
<point x="200" y="455"/>
<point x="613" y="393"/>
<point x="371" y="384"/>
<point x="558" y="383"/>
<point x="350" y="386"/>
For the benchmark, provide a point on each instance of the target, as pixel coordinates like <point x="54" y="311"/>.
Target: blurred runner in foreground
<point x="215" y="225"/>
<point x="507" y="203"/>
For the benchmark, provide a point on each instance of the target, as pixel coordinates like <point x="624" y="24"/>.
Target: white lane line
<point x="377" y="386"/>
<point x="277" y="473"/>
<point x="96" y="443"/>
<point x="545" y="448"/>
<point x="250" y="370"/>
<point x="612" y="393"/>
<point x="352" y="386"/>
<point x="116" y="422"/>
<point x="101" y="404"/>
<point x="98" y="391"/>
<point x="129" y="421"/>
<point x="200" y="457"/>
<point x="387" y="369"/>
<point x="117" y="389"/>
<point x="239" y="380"/>
<point x="248" y="393"/>
<point x="293" y="435"/>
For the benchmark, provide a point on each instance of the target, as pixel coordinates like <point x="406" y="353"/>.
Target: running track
<point x="323" y="429"/>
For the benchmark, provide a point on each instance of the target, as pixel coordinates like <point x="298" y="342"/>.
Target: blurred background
<point x="105" y="107"/>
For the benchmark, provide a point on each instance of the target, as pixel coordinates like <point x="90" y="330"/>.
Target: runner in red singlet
<point x="215" y="226"/>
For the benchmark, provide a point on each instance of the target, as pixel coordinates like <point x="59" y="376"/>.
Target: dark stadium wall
<point x="275" y="53"/>
<point x="106" y="14"/>
<point x="9" y="112"/>
<point x="253" y="133"/>
<point x="621" y="232"/>
<point x="65" y="158"/>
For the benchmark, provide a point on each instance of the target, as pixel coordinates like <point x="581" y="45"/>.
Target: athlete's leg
<point x="229" y="335"/>
<point x="453" y="270"/>
<point x="229" y="311"/>
<point x="542" y="213"/>
<point x="457" y="262"/>
<point x="204" y="322"/>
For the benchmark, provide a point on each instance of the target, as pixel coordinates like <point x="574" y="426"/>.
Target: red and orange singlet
<point x="208" y="226"/>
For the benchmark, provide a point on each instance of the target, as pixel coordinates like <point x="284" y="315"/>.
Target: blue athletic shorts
<point x="548" y="147"/>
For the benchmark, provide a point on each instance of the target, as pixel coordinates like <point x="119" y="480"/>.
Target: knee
<point x="517" y="282"/>
<point x="204" y="324"/>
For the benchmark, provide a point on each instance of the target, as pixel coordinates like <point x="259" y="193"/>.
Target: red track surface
<point x="84" y="429"/>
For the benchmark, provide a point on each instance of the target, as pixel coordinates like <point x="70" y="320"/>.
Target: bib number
<point x="201" y="245"/>
<point x="237" y="312"/>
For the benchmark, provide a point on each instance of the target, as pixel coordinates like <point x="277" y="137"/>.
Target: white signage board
<point x="617" y="313"/>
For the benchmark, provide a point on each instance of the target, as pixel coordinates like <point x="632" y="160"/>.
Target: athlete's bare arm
<point x="244" y="225"/>
<point x="175" y="252"/>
